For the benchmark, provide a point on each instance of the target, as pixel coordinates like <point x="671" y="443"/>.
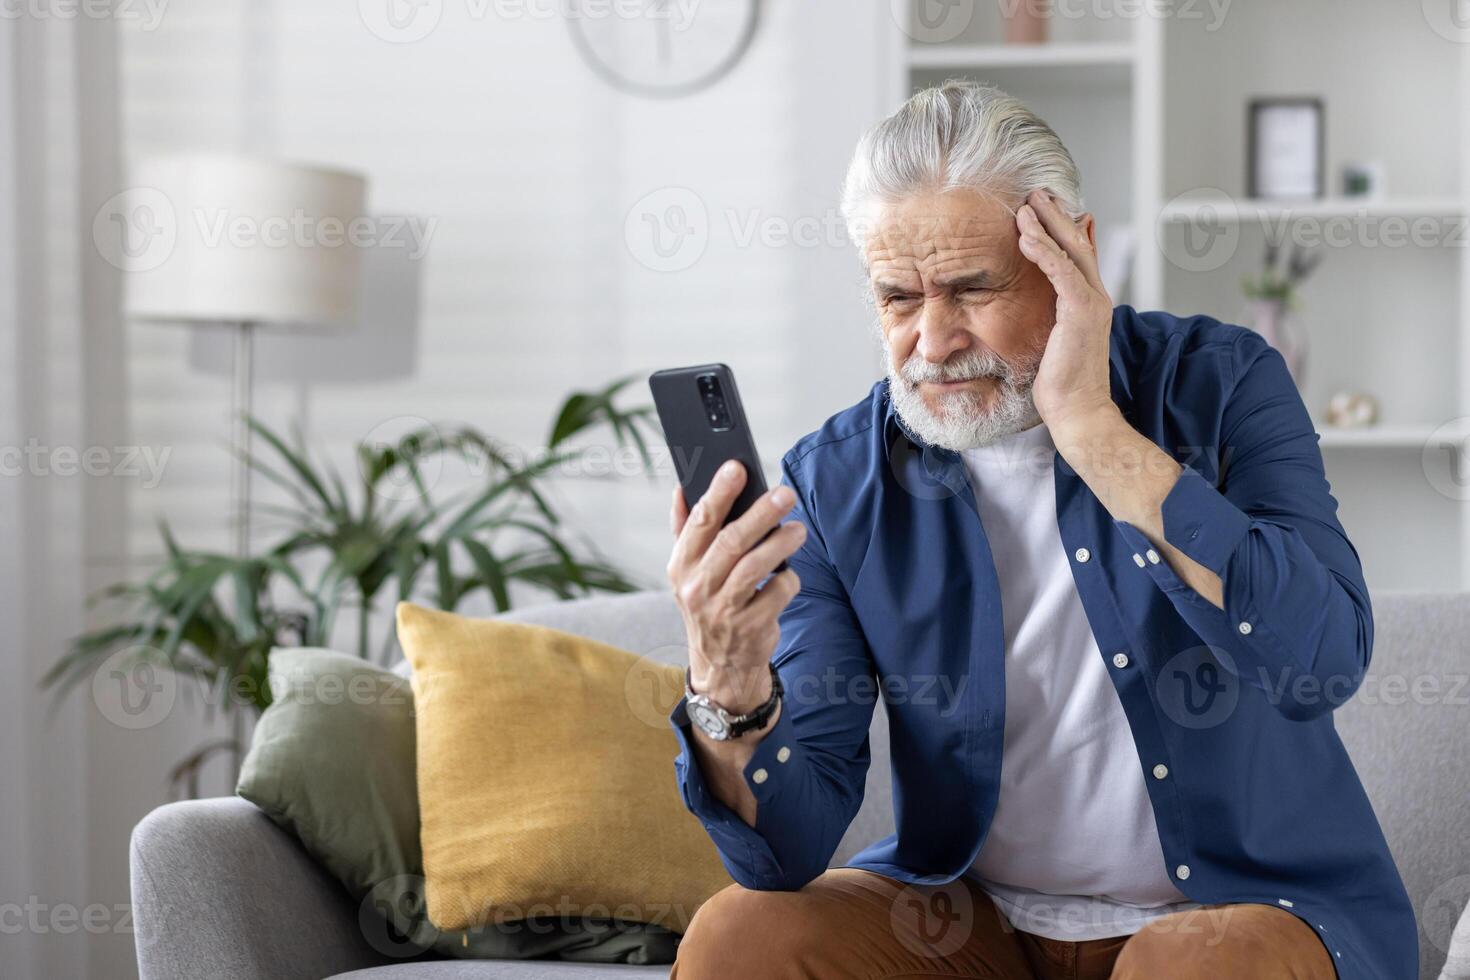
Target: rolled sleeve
<point x="745" y="853"/>
<point x="1296" y="619"/>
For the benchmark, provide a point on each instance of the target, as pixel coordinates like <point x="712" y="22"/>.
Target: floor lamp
<point x="245" y="244"/>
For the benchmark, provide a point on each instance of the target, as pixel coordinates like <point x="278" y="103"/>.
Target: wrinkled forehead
<point x="924" y="231"/>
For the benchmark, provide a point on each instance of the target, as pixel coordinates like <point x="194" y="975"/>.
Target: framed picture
<point x="1286" y="156"/>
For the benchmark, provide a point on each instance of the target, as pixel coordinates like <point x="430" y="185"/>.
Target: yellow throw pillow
<point x="545" y="777"/>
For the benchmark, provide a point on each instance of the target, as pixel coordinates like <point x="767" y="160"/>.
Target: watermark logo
<point x="398" y="459"/>
<point x="923" y="471"/>
<point x="1441" y="911"/>
<point x="647" y="688"/>
<point x="147" y="14"/>
<point x="134" y="689"/>
<point x="392" y="918"/>
<point x="1450" y="19"/>
<point x="35" y="458"/>
<point x="400" y="21"/>
<point x="668" y="230"/>
<point x="136" y="229"/>
<point x="933" y="920"/>
<point x="933" y="21"/>
<point x="1445" y="459"/>
<point x="1203" y="230"/>
<point x="1198" y="688"/>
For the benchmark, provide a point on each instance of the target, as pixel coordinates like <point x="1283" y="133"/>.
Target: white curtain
<point x="57" y="397"/>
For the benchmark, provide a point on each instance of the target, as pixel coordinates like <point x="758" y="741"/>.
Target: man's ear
<point x="1088" y="224"/>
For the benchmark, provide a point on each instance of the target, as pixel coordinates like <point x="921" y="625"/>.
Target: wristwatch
<point x="718" y="723"/>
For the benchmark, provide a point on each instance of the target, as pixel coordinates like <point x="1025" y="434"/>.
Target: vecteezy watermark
<point x="148" y="14"/>
<point x="651" y="686"/>
<point x="1198" y="688"/>
<point x="668" y="230"/>
<point x="1200" y="230"/>
<point x="393" y="918"/>
<point x="933" y="920"/>
<point x="942" y="21"/>
<point x="38" y="917"/>
<point x="1207" y="221"/>
<point x="139" y="228"/>
<point x="126" y="462"/>
<point x="134" y="688"/>
<point x="933" y="21"/>
<point x="407" y="21"/>
<point x="400" y="459"/>
<point x="1445" y="459"/>
<point x="1450" y="19"/>
<point x="1441" y="912"/>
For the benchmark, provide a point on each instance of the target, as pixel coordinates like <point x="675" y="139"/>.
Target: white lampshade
<point x="233" y="239"/>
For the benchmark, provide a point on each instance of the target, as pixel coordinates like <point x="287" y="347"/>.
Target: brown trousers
<point x="856" y="925"/>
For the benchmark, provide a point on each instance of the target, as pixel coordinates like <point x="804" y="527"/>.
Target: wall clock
<point x="663" y="48"/>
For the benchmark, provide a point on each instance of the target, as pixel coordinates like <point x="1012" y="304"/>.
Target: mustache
<point x="965" y="366"/>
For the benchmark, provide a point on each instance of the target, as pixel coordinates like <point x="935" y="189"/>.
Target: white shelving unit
<point x="1154" y="111"/>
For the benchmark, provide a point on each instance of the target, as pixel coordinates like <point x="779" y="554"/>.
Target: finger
<point x="742" y="534"/>
<point x="1064" y="230"/>
<point x="678" y="511"/>
<point x="762" y="560"/>
<point x="776" y="595"/>
<point x="707" y="514"/>
<point x="1038" y="246"/>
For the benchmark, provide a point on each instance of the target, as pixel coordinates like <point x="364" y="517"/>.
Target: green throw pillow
<point x="332" y="763"/>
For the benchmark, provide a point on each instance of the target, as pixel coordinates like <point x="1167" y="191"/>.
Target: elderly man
<point x="1090" y="560"/>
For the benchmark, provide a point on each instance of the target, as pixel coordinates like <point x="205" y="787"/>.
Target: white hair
<point x="958" y="135"/>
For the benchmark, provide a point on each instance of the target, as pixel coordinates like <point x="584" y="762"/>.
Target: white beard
<point x="963" y="421"/>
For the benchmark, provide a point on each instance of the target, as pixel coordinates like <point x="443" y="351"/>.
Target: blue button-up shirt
<point x="899" y="595"/>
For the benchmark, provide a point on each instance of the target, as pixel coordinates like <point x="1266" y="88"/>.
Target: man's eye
<point x="898" y="299"/>
<point x="975" y="293"/>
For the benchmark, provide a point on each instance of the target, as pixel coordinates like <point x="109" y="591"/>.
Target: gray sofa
<point x="220" y="891"/>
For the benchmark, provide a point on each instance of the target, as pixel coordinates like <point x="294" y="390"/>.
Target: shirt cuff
<point x="774" y="765"/>
<point x="1202" y="523"/>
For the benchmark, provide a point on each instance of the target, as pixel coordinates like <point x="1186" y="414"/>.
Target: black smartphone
<point x="704" y="425"/>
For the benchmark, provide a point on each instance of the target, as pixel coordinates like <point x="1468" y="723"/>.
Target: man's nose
<point x="942" y="332"/>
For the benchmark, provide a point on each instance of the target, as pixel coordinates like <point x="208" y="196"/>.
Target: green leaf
<point x="492" y="573"/>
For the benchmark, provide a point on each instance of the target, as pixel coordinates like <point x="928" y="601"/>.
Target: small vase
<point x="1271" y="319"/>
<point x="1027" y="22"/>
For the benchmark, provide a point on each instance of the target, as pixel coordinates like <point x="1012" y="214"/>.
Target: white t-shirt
<point x="1073" y="851"/>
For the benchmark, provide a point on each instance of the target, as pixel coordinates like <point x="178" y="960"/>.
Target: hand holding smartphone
<point x="731" y="616"/>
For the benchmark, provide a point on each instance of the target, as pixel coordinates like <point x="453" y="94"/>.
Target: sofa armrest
<point x="221" y="891"/>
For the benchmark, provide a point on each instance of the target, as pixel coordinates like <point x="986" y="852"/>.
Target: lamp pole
<point x="242" y="407"/>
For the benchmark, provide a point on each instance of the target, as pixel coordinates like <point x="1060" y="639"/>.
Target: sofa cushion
<point x="545" y="777"/>
<point x="332" y="762"/>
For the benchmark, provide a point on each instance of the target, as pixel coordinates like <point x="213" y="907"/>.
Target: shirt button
<point x="1245" y="629"/>
<point x="1181" y="872"/>
<point x="1138" y="559"/>
<point x="1153" y="556"/>
<point x="1082" y="555"/>
<point x="1160" y="771"/>
<point x="1120" y="659"/>
<point x="783" y="753"/>
<point x="759" y="776"/>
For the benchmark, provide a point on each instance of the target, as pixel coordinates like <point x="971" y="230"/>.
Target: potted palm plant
<point x="213" y="618"/>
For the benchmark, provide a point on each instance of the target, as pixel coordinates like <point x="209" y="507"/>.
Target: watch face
<point x="709" y="721"/>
